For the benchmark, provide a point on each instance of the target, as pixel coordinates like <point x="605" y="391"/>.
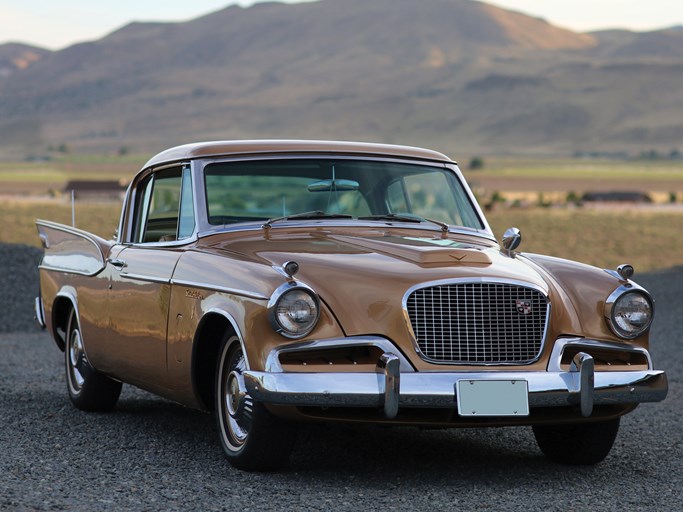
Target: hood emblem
<point x="523" y="307"/>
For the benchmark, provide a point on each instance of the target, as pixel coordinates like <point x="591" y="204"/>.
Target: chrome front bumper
<point x="391" y="389"/>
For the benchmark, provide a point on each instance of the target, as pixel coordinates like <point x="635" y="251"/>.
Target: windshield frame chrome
<point x="204" y="228"/>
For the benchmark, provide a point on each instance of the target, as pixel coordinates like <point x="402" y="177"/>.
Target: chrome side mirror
<point x="511" y="239"/>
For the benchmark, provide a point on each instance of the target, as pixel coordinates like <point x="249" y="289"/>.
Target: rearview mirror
<point x="333" y="185"/>
<point x="511" y="239"/>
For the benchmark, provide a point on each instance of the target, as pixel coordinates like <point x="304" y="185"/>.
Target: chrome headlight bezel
<point x="274" y="312"/>
<point x="613" y="308"/>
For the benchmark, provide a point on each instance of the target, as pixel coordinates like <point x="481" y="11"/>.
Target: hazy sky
<point x="55" y="24"/>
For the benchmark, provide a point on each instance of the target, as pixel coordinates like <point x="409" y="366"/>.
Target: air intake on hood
<point x="479" y="323"/>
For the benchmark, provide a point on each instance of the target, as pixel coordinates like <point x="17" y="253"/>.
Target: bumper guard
<point x="390" y="389"/>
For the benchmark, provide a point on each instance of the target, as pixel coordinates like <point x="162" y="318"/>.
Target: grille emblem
<point x="523" y="307"/>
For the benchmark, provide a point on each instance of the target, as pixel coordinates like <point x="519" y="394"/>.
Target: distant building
<point x="616" y="197"/>
<point x="95" y="189"/>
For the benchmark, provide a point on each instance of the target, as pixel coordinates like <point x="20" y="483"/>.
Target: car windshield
<point x="276" y="190"/>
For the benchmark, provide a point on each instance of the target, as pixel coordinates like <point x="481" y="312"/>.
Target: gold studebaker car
<point x="275" y="282"/>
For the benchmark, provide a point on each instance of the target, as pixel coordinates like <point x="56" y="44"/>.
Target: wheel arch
<point x="215" y="326"/>
<point x="65" y="302"/>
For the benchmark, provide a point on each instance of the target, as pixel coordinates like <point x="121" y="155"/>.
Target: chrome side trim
<point x="437" y="390"/>
<point x="235" y="327"/>
<point x="66" y="270"/>
<point x="219" y="289"/>
<point x="148" y="279"/>
<point x="69" y="293"/>
<point x="40" y="312"/>
<point x="582" y="343"/>
<point x="273" y="360"/>
<point x="467" y="280"/>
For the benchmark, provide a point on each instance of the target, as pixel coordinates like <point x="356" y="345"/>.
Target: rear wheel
<point x="89" y="390"/>
<point x="579" y="444"/>
<point x="252" y="438"/>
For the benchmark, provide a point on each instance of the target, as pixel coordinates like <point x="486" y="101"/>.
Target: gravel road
<point x="151" y="454"/>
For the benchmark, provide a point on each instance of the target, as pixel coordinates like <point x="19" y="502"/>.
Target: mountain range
<point x="460" y="76"/>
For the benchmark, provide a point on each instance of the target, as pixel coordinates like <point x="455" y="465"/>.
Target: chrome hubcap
<point x="75" y="357"/>
<point x="237" y="404"/>
<point x="236" y="395"/>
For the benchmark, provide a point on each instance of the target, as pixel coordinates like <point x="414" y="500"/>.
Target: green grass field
<point x="648" y="239"/>
<point x="604" y="238"/>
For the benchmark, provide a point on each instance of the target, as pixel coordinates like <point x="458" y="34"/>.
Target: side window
<point x="159" y="208"/>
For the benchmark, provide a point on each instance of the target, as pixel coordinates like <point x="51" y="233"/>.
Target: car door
<point x="141" y="272"/>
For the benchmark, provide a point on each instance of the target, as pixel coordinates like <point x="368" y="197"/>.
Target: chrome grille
<point x="494" y="323"/>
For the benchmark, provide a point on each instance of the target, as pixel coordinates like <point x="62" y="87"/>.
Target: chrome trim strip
<point x="70" y="294"/>
<point x="67" y="271"/>
<point x="437" y="390"/>
<point x="205" y="229"/>
<point x="219" y="289"/>
<point x="234" y="325"/>
<point x="582" y="343"/>
<point x="345" y="223"/>
<point x="39" y="312"/>
<point x="148" y="279"/>
<point x="468" y="280"/>
<point x="273" y="361"/>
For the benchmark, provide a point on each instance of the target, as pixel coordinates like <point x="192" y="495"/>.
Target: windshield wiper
<point x="403" y="217"/>
<point x="315" y="214"/>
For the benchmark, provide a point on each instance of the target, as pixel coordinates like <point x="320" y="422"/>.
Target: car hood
<point x="363" y="275"/>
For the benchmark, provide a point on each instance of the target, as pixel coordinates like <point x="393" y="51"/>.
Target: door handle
<point x="119" y="264"/>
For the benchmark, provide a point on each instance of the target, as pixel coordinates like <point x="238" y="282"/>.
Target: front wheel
<point x="579" y="444"/>
<point x="252" y="438"/>
<point x="89" y="390"/>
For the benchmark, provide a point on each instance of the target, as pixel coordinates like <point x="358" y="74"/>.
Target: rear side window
<point x="165" y="210"/>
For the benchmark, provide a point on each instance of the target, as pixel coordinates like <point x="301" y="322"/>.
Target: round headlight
<point x="631" y="314"/>
<point x="294" y="311"/>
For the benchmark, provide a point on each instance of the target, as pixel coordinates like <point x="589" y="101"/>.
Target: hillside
<point x="16" y="57"/>
<point x="455" y="75"/>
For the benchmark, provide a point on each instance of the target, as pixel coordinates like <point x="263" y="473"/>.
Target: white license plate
<point x="492" y="397"/>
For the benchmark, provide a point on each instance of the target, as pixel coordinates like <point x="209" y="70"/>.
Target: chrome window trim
<point x="273" y="360"/>
<point x="219" y="289"/>
<point x="275" y="298"/>
<point x="131" y="198"/>
<point x="204" y="227"/>
<point x="612" y="299"/>
<point x="342" y="223"/>
<point x="468" y="280"/>
<point x="554" y="363"/>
